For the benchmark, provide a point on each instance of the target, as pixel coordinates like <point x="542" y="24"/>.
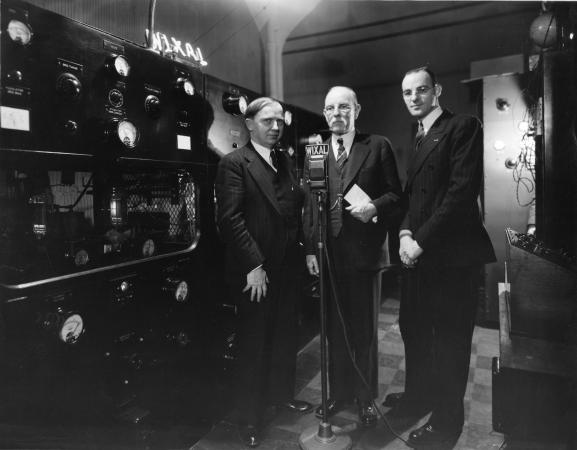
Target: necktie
<point x="341" y="154"/>
<point x="419" y="136"/>
<point x="274" y="158"/>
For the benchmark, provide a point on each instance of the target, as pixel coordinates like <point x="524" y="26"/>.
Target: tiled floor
<point x="284" y="430"/>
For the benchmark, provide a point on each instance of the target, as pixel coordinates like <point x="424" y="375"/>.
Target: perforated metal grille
<point x="172" y="196"/>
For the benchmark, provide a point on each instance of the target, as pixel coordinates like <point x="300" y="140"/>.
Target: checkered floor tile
<point x="284" y="431"/>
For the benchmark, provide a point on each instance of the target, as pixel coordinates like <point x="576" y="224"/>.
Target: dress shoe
<point x="333" y="407"/>
<point x="427" y="435"/>
<point x="393" y="399"/>
<point x="249" y="435"/>
<point x="298" y="406"/>
<point x="367" y="415"/>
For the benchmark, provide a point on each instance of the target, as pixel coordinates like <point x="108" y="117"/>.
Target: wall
<point x="370" y="45"/>
<point x="223" y="29"/>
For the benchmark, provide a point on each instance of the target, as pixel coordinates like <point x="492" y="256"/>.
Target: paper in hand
<point x="356" y="196"/>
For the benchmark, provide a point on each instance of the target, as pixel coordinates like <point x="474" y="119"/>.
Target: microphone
<point x="317" y="157"/>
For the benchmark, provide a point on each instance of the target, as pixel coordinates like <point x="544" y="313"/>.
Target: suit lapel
<point x="259" y="172"/>
<point x="428" y="145"/>
<point x="357" y="156"/>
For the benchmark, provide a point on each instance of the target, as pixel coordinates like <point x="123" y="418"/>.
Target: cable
<point x="252" y="19"/>
<point x="349" y="349"/>
<point x="86" y="186"/>
<point x="217" y="22"/>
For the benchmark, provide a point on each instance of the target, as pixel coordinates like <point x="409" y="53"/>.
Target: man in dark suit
<point x="356" y="235"/>
<point x="259" y="210"/>
<point x="444" y="246"/>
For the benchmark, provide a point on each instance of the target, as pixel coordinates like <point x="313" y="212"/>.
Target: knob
<point x="152" y="106"/>
<point x="14" y="76"/>
<point x="68" y="86"/>
<point x="70" y="127"/>
<point x="510" y="163"/>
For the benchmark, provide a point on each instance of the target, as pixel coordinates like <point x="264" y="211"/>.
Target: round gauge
<point x="188" y="87"/>
<point x="181" y="292"/>
<point x="234" y="104"/>
<point x="288" y="118"/>
<point x="148" y="248"/>
<point x="121" y="66"/>
<point x="242" y="104"/>
<point x="127" y="133"/>
<point x="71" y="329"/>
<point x="19" y="32"/>
<point x="81" y="258"/>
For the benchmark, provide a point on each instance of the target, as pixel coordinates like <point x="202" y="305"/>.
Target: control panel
<point x="68" y="88"/>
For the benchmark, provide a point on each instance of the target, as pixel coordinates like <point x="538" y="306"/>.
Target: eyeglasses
<point x="421" y="90"/>
<point x="343" y="108"/>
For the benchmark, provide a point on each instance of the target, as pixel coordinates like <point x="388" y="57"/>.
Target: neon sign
<point x="168" y="44"/>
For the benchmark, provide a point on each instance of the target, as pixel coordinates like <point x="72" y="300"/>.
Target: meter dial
<point x="234" y="104"/>
<point x="181" y="292"/>
<point x="19" y="32"/>
<point x="81" y="258"/>
<point x="186" y="85"/>
<point x="288" y="118"/>
<point x="148" y="248"/>
<point x="242" y="104"/>
<point x="121" y="66"/>
<point x="127" y="133"/>
<point x="71" y="329"/>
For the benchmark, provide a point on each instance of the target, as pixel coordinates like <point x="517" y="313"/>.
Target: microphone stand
<point x="324" y="436"/>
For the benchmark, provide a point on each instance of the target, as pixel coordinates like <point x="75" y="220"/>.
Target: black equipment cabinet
<point x="104" y="196"/>
<point x="535" y="375"/>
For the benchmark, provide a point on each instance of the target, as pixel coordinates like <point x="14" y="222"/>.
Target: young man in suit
<point x="355" y="238"/>
<point x="444" y="246"/>
<point x="259" y="211"/>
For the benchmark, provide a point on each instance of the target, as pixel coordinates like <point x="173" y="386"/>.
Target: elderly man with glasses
<point x="356" y="235"/>
<point x="443" y="246"/>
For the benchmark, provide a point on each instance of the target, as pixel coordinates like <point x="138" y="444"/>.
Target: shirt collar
<point x="430" y="118"/>
<point x="264" y="152"/>
<point x="347" y="138"/>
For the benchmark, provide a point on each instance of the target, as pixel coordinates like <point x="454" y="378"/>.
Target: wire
<point x="349" y="349"/>
<point x="250" y="21"/>
<point x="86" y="186"/>
<point x="218" y="22"/>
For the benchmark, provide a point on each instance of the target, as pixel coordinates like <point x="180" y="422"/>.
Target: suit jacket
<point x="444" y="179"/>
<point x="248" y="215"/>
<point x="371" y="165"/>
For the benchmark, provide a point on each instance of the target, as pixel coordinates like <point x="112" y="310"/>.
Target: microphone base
<point x="324" y="437"/>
